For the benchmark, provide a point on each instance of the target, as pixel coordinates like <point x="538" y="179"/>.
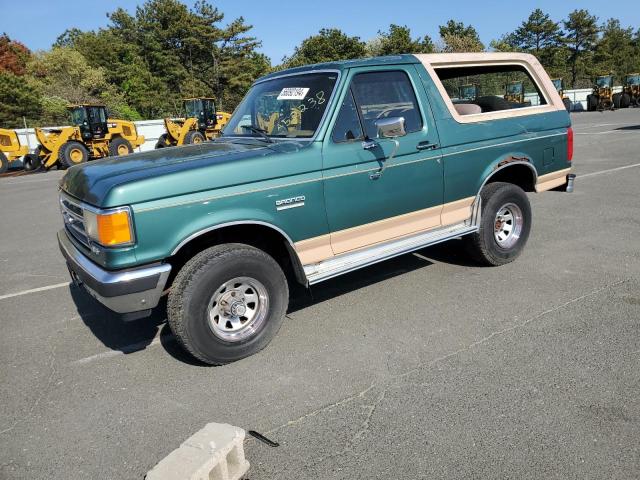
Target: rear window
<point x="490" y="88"/>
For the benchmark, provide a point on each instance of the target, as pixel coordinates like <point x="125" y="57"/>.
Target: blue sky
<point x="281" y="26"/>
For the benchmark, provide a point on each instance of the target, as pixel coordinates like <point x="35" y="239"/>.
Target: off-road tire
<point x="592" y="103"/>
<point x="197" y="282"/>
<point x="162" y="141"/>
<point x="4" y="163"/>
<point x="616" y="100"/>
<point x="119" y="146"/>
<point x="67" y="155"/>
<point x="193" y="136"/>
<point x="625" y="100"/>
<point x="32" y="161"/>
<point x="492" y="103"/>
<point x="482" y="245"/>
<point x="567" y="104"/>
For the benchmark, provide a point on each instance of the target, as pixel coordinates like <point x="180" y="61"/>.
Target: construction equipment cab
<point x="91" y="135"/>
<point x="201" y="122"/>
<point x="559" y="84"/>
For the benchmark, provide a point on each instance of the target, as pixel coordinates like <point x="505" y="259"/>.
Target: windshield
<point x="603" y="82"/>
<point x="514" y="88"/>
<point x="78" y="116"/>
<point x="633" y="80"/>
<point x="557" y="82"/>
<point x="286" y="107"/>
<point x="468" y="92"/>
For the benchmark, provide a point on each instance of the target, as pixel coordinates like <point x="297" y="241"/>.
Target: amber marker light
<point x="109" y="229"/>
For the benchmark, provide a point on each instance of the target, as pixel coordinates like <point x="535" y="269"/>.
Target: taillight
<point x="569" y="144"/>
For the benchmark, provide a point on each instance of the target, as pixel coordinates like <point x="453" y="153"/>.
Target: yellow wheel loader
<point x="630" y="94"/>
<point x="601" y="98"/>
<point x="201" y="123"/>
<point x="10" y="149"/>
<point x="91" y="135"/>
<point x="559" y="84"/>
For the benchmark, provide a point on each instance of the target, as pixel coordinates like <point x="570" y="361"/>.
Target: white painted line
<point x="34" y="290"/>
<point x="606" y="131"/>
<point x="134" y="347"/>
<point x="592" y="174"/>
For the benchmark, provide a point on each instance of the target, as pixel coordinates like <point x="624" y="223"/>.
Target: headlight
<point x="109" y="228"/>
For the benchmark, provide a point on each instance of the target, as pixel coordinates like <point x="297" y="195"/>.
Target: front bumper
<point x="123" y="291"/>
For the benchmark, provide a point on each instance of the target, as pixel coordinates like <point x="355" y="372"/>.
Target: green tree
<point x="330" y="44"/>
<point x="616" y="52"/>
<point x="457" y="37"/>
<point x="398" y="40"/>
<point x="537" y="34"/>
<point x="581" y="35"/>
<point x="18" y="99"/>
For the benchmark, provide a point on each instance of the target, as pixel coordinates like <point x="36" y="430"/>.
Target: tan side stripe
<point x="552" y="180"/>
<point x="321" y="248"/>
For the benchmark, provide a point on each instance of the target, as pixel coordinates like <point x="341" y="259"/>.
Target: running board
<point x="348" y="262"/>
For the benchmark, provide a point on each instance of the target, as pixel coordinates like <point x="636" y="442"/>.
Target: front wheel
<point x="504" y="226"/>
<point x="193" y="136"/>
<point x="119" y="146"/>
<point x="4" y="163"/>
<point x="227" y="303"/>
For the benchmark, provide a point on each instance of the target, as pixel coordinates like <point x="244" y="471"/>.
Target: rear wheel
<point x="194" y="136"/>
<point x="504" y="226"/>
<point x="4" y="163"/>
<point x="567" y="104"/>
<point x="72" y="153"/>
<point x="227" y="303"/>
<point x="616" y="100"/>
<point x="592" y="103"/>
<point x="119" y="146"/>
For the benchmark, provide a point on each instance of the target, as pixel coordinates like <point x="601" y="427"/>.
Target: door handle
<point x="427" y="145"/>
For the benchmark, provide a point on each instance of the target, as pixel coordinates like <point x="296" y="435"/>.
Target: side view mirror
<point x="391" y="127"/>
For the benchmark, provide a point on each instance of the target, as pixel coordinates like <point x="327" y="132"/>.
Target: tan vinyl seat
<point x="467" y="108"/>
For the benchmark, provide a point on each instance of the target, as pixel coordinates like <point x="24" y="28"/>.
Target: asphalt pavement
<point x="424" y="366"/>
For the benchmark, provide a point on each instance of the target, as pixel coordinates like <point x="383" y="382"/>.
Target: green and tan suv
<point x="321" y="170"/>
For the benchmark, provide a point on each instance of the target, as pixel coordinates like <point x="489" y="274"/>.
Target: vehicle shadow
<point x="629" y="127"/>
<point x="134" y="336"/>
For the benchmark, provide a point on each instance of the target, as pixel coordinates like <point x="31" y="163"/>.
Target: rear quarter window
<point x="490" y="88"/>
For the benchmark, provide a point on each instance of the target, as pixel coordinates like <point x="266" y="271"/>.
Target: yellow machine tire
<point x="4" y="163"/>
<point x="72" y="153"/>
<point x="119" y="146"/>
<point x="194" y="136"/>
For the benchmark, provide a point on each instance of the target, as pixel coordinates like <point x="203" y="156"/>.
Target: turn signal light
<point x="109" y="229"/>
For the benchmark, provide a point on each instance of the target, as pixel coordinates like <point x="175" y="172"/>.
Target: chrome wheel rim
<point x="238" y="308"/>
<point x="508" y="224"/>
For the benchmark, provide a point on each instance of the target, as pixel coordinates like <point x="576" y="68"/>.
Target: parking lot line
<point x="34" y="290"/>
<point x="600" y="172"/>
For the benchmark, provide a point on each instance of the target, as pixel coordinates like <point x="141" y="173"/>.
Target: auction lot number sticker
<point x="293" y="93"/>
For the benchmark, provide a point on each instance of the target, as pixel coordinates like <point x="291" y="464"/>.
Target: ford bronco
<point x="321" y="170"/>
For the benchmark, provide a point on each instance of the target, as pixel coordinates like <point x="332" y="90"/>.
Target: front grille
<point x="73" y="219"/>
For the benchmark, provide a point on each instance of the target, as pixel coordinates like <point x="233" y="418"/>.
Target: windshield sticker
<point x="293" y="93"/>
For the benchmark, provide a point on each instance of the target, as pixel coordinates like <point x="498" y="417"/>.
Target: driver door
<point x="384" y="191"/>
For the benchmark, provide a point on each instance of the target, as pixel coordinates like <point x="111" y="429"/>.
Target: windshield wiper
<point x="260" y="131"/>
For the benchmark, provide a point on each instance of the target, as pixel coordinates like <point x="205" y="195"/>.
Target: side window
<point x="383" y="95"/>
<point x="490" y="88"/>
<point x="347" y="125"/>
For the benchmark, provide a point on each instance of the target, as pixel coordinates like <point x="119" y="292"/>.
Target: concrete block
<point x="214" y="453"/>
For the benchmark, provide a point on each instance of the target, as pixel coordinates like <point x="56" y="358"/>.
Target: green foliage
<point x="615" y="52"/>
<point x="457" y="37"/>
<point x="330" y="44"/>
<point x="18" y="99"/>
<point x="580" y="38"/>
<point x="398" y="40"/>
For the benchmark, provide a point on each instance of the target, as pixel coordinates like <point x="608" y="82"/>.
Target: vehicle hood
<point x="168" y="172"/>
